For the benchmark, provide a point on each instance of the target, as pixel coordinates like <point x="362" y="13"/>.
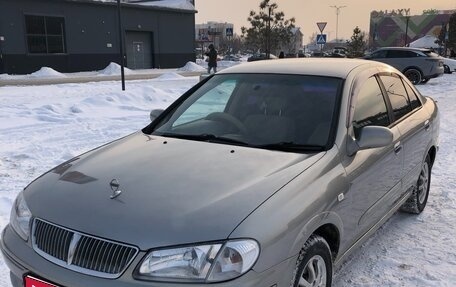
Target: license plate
<point x="34" y="282"/>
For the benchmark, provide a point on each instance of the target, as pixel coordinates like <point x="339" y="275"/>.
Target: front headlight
<point x="20" y="217"/>
<point x="201" y="263"/>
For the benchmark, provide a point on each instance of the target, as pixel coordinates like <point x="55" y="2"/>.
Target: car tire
<point x="414" y="76"/>
<point x="418" y="199"/>
<point x="314" y="264"/>
<point x="446" y="69"/>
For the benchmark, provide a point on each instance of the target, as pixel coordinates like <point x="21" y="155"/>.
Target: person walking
<point x="212" y="55"/>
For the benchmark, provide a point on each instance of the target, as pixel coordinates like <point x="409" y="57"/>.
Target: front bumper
<point x="23" y="260"/>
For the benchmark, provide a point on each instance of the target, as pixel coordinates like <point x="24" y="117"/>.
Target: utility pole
<point x="337" y="19"/>
<point x="407" y="19"/>
<point x="121" y="41"/>
<point x="268" y="41"/>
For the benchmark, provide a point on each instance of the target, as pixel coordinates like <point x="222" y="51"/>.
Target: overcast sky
<point x="309" y="12"/>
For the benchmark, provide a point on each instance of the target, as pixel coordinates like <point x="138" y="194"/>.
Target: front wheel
<point x="417" y="201"/>
<point x="414" y="76"/>
<point x="314" y="264"/>
<point x="446" y="69"/>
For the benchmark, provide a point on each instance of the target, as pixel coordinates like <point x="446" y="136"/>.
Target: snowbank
<point x="114" y="69"/>
<point x="192" y="67"/>
<point x="46" y="72"/>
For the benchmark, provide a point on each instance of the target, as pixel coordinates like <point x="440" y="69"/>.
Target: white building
<point x="213" y="32"/>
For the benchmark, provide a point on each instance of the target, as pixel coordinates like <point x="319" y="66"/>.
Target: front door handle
<point x="397" y="148"/>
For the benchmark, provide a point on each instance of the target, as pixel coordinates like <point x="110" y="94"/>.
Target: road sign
<point x="321" y="26"/>
<point x="229" y="32"/>
<point x="321" y="39"/>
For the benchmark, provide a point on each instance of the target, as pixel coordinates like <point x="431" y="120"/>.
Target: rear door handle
<point x="427" y="125"/>
<point x="397" y="148"/>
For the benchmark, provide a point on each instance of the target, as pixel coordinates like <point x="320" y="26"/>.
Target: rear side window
<point x="370" y="107"/>
<point x="413" y="98"/>
<point x="397" y="96"/>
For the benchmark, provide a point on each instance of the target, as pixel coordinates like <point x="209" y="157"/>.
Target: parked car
<point x="418" y="65"/>
<point x="264" y="174"/>
<point x="261" y="56"/>
<point x="231" y="57"/>
<point x="449" y="65"/>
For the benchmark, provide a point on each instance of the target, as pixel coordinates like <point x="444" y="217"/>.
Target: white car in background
<point x="449" y="65"/>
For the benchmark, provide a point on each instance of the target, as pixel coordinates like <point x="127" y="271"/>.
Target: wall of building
<point x="91" y="35"/>
<point x="391" y="29"/>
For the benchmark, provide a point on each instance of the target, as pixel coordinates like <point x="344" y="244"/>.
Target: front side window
<point x="379" y="54"/>
<point x="397" y="96"/>
<point x="45" y="34"/>
<point x="370" y="107"/>
<point x="402" y="54"/>
<point x="285" y="112"/>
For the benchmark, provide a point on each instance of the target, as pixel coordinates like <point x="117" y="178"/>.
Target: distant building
<point x="397" y="27"/>
<point x="213" y="32"/>
<point x="80" y="35"/>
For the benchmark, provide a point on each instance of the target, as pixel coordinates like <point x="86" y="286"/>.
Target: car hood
<point x="173" y="191"/>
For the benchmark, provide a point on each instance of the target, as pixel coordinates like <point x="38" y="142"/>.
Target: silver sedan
<point x="265" y="174"/>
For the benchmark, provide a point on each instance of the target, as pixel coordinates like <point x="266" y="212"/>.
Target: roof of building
<point x="181" y="5"/>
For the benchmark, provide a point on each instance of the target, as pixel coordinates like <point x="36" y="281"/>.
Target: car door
<point x="374" y="174"/>
<point x="413" y="124"/>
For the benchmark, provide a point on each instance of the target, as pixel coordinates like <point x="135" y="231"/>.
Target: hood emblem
<point x="115" y="187"/>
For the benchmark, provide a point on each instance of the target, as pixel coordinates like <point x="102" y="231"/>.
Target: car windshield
<point x="269" y="111"/>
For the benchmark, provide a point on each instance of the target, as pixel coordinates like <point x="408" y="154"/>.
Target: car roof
<point x="329" y="67"/>
<point x="404" y="49"/>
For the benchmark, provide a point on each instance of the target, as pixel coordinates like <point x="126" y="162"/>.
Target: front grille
<point x="80" y="252"/>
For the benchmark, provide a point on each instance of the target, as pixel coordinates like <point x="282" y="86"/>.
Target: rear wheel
<point x="414" y="76"/>
<point x="417" y="201"/>
<point x="314" y="265"/>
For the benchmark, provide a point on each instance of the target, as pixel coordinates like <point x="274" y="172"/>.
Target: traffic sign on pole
<point x="321" y="39"/>
<point x="321" y="26"/>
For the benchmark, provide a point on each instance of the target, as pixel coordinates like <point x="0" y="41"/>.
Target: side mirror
<point x="371" y="137"/>
<point x="155" y="113"/>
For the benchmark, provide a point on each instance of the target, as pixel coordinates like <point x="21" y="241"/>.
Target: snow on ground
<point x="42" y="126"/>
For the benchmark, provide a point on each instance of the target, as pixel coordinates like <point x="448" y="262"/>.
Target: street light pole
<point x="337" y="19"/>
<point x="122" y="69"/>
<point x="268" y="41"/>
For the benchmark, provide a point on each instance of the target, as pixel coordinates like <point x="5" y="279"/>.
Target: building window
<point x="45" y="35"/>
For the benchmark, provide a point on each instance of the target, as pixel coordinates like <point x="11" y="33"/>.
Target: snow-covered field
<point x="42" y="126"/>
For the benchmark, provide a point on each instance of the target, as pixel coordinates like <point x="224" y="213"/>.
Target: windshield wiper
<point x="206" y="137"/>
<point x="291" y="146"/>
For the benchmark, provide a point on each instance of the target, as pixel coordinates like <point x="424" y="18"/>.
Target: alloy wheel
<point x="314" y="273"/>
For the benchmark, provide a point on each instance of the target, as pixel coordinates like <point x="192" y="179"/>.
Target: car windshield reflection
<point x="270" y="111"/>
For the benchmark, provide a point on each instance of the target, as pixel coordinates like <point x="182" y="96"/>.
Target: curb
<point x="86" y="79"/>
